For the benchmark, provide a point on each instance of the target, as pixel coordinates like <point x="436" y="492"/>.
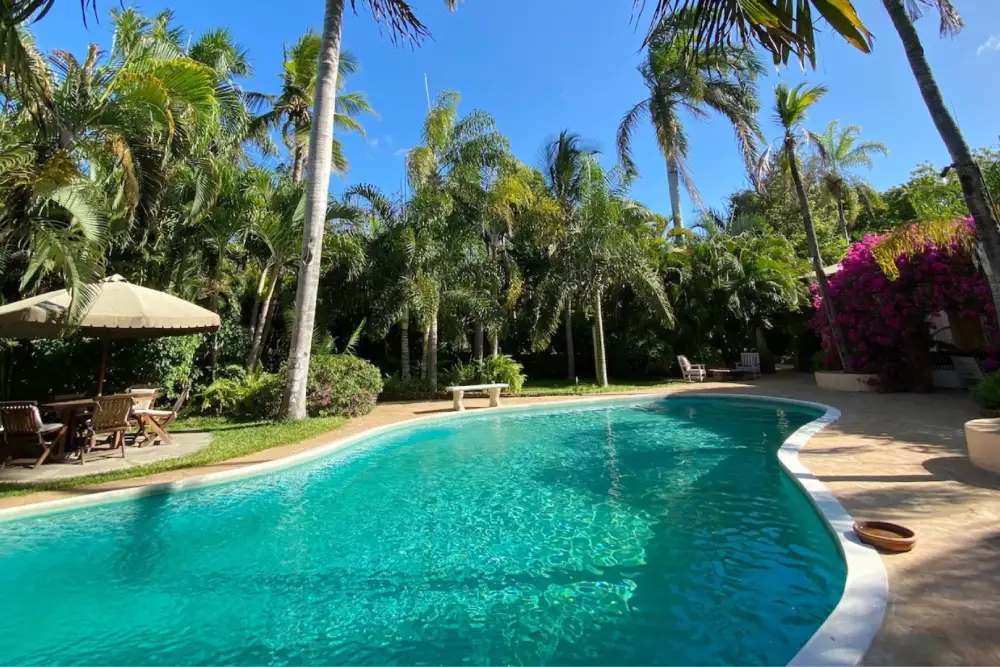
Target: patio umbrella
<point x="119" y="310"/>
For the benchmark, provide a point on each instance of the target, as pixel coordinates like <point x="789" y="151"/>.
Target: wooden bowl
<point x="886" y="536"/>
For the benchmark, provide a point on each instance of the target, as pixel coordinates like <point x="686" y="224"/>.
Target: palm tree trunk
<point x="842" y="217"/>
<point x="317" y="191"/>
<point x="298" y="158"/>
<point x="977" y="197"/>
<point x="477" y="341"/>
<point x="404" y="345"/>
<point x="494" y="344"/>
<point x="600" y="361"/>
<point x="674" y="182"/>
<point x="824" y="287"/>
<point x="570" y="354"/>
<point x="272" y="309"/>
<point x="424" y="355"/>
<point x="432" y="354"/>
<point x="258" y="298"/>
<point x="265" y="314"/>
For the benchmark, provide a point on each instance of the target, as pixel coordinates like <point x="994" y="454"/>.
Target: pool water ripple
<point x="643" y="532"/>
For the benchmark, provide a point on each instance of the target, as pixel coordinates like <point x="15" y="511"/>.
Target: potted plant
<point x="982" y="436"/>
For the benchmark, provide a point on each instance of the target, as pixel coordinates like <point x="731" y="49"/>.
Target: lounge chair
<point x="22" y="424"/>
<point x="111" y="419"/>
<point x="691" y="372"/>
<point x="750" y="364"/>
<point x="159" y="420"/>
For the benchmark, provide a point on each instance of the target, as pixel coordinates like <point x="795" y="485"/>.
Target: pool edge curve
<point x="842" y="639"/>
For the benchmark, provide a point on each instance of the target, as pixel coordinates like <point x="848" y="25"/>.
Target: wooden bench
<point x="458" y="393"/>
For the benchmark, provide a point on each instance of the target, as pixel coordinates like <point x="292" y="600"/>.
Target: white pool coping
<point x="841" y="640"/>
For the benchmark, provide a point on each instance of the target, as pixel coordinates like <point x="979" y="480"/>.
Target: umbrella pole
<point x="104" y="365"/>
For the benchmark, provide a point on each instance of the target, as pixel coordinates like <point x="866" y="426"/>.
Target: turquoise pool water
<point x="640" y="532"/>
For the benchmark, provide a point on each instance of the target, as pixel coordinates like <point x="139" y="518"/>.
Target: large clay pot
<point x="982" y="438"/>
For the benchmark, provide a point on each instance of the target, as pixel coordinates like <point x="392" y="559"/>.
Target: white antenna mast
<point x="427" y="92"/>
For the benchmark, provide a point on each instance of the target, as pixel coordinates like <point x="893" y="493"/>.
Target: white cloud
<point x="373" y="143"/>
<point x="991" y="44"/>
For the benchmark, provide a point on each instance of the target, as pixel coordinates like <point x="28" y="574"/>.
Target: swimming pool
<point x="644" y="531"/>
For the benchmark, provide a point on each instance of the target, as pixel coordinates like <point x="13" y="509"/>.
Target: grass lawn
<point x="568" y="388"/>
<point x="230" y="440"/>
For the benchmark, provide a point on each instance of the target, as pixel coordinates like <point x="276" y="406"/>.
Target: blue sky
<point x="540" y="66"/>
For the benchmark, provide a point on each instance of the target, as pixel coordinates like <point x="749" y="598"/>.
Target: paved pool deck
<point x="899" y="457"/>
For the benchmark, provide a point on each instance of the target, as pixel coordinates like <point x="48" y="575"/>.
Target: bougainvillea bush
<point x="885" y="319"/>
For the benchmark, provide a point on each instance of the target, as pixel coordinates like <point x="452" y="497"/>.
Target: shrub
<point x="241" y="395"/>
<point x="43" y="368"/>
<point x="493" y="369"/>
<point x="885" y="319"/>
<point x="341" y="385"/>
<point x="987" y="392"/>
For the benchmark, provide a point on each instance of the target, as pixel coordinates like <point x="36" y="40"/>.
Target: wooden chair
<point x="22" y="424"/>
<point x="691" y="372"/>
<point x="158" y="420"/>
<point x="145" y="397"/>
<point x="111" y="419"/>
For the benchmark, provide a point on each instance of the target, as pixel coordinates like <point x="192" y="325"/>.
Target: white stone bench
<point x="458" y="393"/>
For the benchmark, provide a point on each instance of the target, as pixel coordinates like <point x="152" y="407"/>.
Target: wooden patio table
<point x="68" y="412"/>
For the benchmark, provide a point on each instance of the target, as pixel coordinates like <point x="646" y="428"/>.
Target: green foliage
<point x="987" y="392"/>
<point x="237" y="394"/>
<point x="341" y="384"/>
<point x="44" y="368"/>
<point x="499" y="368"/>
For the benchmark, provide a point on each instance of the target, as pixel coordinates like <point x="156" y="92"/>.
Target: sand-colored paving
<point x="899" y="457"/>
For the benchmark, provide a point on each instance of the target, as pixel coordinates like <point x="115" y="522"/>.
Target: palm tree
<point x="291" y="109"/>
<point x="453" y="149"/>
<point x="723" y="81"/>
<point x="402" y="23"/>
<point x="840" y="151"/>
<point x="790" y="108"/>
<point x="564" y="163"/>
<point x="786" y="29"/>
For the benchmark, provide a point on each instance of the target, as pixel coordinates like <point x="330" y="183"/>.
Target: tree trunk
<point x="494" y="344"/>
<point x="600" y="361"/>
<point x="258" y="299"/>
<point x="432" y="354"/>
<point x="767" y="360"/>
<point x="272" y="309"/>
<point x="298" y="158"/>
<point x="977" y="197"/>
<point x="824" y="287"/>
<point x="317" y="191"/>
<point x="570" y="354"/>
<point x="673" y="180"/>
<point x="841" y="216"/>
<point x="424" y="355"/>
<point x="404" y="345"/>
<point x="477" y="341"/>
<point x="265" y="314"/>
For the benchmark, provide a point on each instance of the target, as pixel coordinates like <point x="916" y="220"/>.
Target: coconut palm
<point x="402" y="23"/>
<point x="291" y="110"/>
<point x="723" y="81"/>
<point x="791" y="106"/>
<point x="785" y="29"/>
<point x="841" y="151"/>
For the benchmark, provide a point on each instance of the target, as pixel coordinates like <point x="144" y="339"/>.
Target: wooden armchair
<point x="145" y="397"/>
<point x="110" y="418"/>
<point x="22" y="425"/>
<point x="691" y="372"/>
<point x="158" y="420"/>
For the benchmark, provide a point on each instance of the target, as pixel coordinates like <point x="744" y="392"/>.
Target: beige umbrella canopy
<point x="119" y="309"/>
